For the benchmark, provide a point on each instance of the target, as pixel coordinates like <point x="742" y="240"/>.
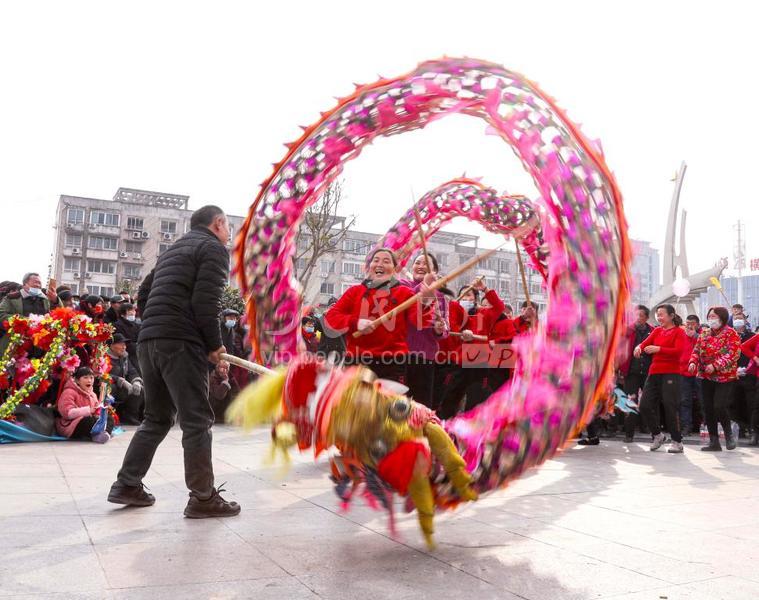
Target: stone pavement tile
<point x="707" y="515"/>
<point x="672" y="569"/>
<point x="42" y="531"/>
<point x="403" y="585"/>
<point x="549" y="572"/>
<point x="262" y="525"/>
<point x="65" y="569"/>
<point x="361" y="552"/>
<point x="280" y="588"/>
<point x="171" y="563"/>
<point x="20" y="466"/>
<point x="33" y="484"/>
<point x="30" y="505"/>
<point x="142" y="525"/>
<point x="721" y="588"/>
<point x="99" y="595"/>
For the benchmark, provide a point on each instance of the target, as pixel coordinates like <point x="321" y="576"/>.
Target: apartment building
<point x="102" y="246"/>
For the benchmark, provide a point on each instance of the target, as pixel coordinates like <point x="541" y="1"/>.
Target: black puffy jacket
<point x="181" y="297"/>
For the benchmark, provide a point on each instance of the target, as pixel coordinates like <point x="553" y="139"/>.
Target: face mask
<point x="308" y="329"/>
<point x="230" y="324"/>
<point x="715" y="323"/>
<point x="467" y="305"/>
<point x="739" y="323"/>
<point x="35" y="291"/>
<point x="131" y="318"/>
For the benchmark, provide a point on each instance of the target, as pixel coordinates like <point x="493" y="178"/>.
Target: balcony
<point x="112" y="230"/>
<point x="72" y="251"/>
<point x="74" y="226"/>
<point x="103" y="254"/>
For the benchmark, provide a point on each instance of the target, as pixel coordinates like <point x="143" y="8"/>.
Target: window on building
<point x="136" y="223"/>
<point x="98" y="242"/>
<point x="135" y="247"/>
<point x="99" y="217"/>
<point x="345" y="287"/>
<point x="535" y="288"/>
<point x="504" y="289"/>
<point x="504" y="266"/>
<point x="168" y="226"/>
<point x="300" y="265"/>
<point x="326" y="266"/>
<point x="74" y="287"/>
<point x="162" y="248"/>
<point x="354" y="246"/>
<point x="352" y="268"/>
<point x="327" y="288"/>
<point x="73" y="240"/>
<point x="304" y="241"/>
<point x="72" y="265"/>
<point x="490" y="282"/>
<point x="74" y="215"/>
<point x="101" y="266"/>
<point x="132" y="271"/>
<point x="491" y="264"/>
<point x="100" y="290"/>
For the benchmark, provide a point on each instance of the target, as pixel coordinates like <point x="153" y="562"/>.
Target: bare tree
<point x="321" y="231"/>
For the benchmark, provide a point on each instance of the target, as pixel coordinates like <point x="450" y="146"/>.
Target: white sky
<point x="197" y="99"/>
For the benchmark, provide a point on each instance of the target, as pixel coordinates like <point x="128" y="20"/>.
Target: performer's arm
<point x="343" y="316"/>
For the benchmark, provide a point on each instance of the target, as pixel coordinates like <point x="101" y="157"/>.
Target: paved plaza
<point x="613" y="521"/>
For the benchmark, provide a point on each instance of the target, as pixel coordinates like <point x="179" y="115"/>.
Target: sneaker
<point x="101" y="438"/>
<point x="215" y="506"/>
<point x="130" y="495"/>
<point x="675" y="448"/>
<point x="629" y="439"/>
<point x="657" y="442"/>
<point x="594" y="441"/>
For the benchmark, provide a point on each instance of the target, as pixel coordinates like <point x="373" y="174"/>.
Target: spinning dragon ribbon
<point x="564" y="368"/>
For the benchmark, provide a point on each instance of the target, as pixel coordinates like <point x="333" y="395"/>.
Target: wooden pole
<point x="468" y="288"/>
<point x="246" y="364"/>
<point x="436" y="285"/>
<point x="422" y="240"/>
<point x="521" y="272"/>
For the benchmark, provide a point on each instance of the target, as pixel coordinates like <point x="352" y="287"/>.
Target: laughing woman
<point x="384" y="347"/>
<point x="423" y="344"/>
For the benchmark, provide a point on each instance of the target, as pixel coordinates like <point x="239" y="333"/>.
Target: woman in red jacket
<point x="715" y="362"/>
<point x="472" y="358"/>
<point x="382" y="348"/>
<point x="662" y="387"/>
<point x="751" y="351"/>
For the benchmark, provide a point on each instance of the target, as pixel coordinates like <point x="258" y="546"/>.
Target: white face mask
<point x="131" y="318"/>
<point x="739" y="323"/>
<point x="715" y="323"/>
<point x="230" y="324"/>
<point x="35" y="291"/>
<point x="467" y="305"/>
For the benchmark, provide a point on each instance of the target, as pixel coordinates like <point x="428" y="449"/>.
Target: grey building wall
<point x="101" y="243"/>
<point x="712" y="297"/>
<point x="645" y="271"/>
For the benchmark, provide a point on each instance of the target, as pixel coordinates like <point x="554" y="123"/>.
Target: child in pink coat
<point x="78" y="407"/>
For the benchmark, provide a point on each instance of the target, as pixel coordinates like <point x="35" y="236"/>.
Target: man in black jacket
<point x="180" y="302"/>
<point x="128" y="326"/>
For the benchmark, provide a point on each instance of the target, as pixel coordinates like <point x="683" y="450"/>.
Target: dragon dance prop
<point x="41" y="347"/>
<point x="508" y="215"/>
<point x="564" y="368"/>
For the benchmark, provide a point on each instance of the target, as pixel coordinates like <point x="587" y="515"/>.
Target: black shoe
<point x="215" y="506"/>
<point x="629" y="439"/>
<point x="730" y="443"/>
<point x="131" y="495"/>
<point x="713" y="445"/>
<point x="594" y="441"/>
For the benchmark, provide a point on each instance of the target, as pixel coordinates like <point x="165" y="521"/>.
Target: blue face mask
<point x="230" y="324"/>
<point x="35" y="291"/>
<point x="131" y="318"/>
<point x="467" y="305"/>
